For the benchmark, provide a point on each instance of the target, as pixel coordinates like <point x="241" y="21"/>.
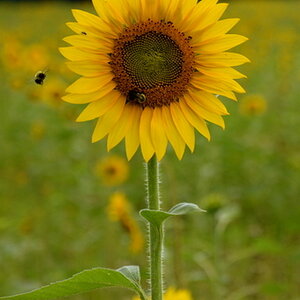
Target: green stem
<point x="155" y="232"/>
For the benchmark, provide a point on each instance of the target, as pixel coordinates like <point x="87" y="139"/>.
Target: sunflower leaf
<point x="85" y="281"/>
<point x="157" y="217"/>
<point x="184" y="208"/>
<point x="131" y="272"/>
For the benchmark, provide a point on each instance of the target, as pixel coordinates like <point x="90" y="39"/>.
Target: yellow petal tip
<point x="64" y="98"/>
<point x="79" y="119"/>
<point x="147" y="158"/>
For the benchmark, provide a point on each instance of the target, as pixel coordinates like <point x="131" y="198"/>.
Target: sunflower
<point x="120" y="209"/>
<point x="253" y="105"/>
<point x="113" y="170"/>
<point x="151" y="71"/>
<point x="173" y="294"/>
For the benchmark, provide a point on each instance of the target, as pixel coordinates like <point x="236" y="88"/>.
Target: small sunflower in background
<point x="53" y="91"/>
<point x="179" y="294"/>
<point x="175" y="294"/>
<point x="35" y="56"/>
<point x="112" y="170"/>
<point x="118" y="206"/>
<point x="253" y="105"/>
<point x="151" y="70"/>
<point x="120" y="210"/>
<point x="10" y="54"/>
<point x="37" y="130"/>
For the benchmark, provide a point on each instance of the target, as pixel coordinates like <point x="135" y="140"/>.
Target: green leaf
<point x="185" y="208"/>
<point x="85" y="281"/>
<point x="157" y="217"/>
<point x="131" y="272"/>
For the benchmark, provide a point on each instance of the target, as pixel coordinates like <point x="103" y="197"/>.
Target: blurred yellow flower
<point x="120" y="210"/>
<point x="11" y="53"/>
<point x="35" y="58"/>
<point x="137" y="238"/>
<point x="118" y="207"/>
<point x="37" y="130"/>
<point x="254" y="104"/>
<point x="173" y="294"/>
<point x="113" y="170"/>
<point x="52" y="91"/>
<point x="16" y="83"/>
<point x="17" y="56"/>
<point x="179" y="294"/>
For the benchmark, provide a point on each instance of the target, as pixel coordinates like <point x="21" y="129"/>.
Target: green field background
<point x="53" y="208"/>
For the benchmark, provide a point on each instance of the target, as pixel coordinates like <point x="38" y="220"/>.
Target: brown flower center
<point x="111" y="170"/>
<point x="152" y="63"/>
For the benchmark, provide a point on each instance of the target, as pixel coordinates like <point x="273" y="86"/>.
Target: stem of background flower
<point x="155" y="234"/>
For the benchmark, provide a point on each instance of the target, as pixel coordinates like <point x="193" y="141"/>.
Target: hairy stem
<point x="155" y="233"/>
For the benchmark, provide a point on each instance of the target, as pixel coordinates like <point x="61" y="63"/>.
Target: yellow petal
<point x="215" y="30"/>
<point x="91" y="20"/>
<point x="194" y="119"/>
<point x="209" y="101"/>
<point x="173" y="9"/>
<point x="107" y="121"/>
<point x="155" y="10"/>
<point x="188" y="6"/>
<point x="113" y="7"/>
<point x="197" y="12"/>
<point x="226" y="73"/>
<point x="232" y="84"/>
<point x="172" y="133"/>
<point x="89" y="68"/>
<point x="83" y="29"/>
<point x="212" y="86"/>
<point x="134" y="10"/>
<point x="89" y="43"/>
<point x="90" y="97"/>
<point x="183" y="126"/>
<point x="98" y="108"/>
<point x="222" y="83"/>
<point x="210" y="17"/>
<point x="158" y="136"/>
<point x="145" y="133"/>
<point x="85" y="85"/>
<point x="120" y="129"/>
<point x="75" y="54"/>
<point x="86" y="18"/>
<point x="202" y="112"/>
<point x="103" y="9"/>
<point x="225" y="59"/>
<point x="222" y="43"/>
<point x="99" y="7"/>
<point x="132" y="138"/>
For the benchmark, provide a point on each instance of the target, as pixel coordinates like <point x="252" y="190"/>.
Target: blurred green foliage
<point x="53" y="207"/>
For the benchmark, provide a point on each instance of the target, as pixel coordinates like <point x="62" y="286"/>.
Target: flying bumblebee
<point x="39" y="77"/>
<point x="134" y="96"/>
